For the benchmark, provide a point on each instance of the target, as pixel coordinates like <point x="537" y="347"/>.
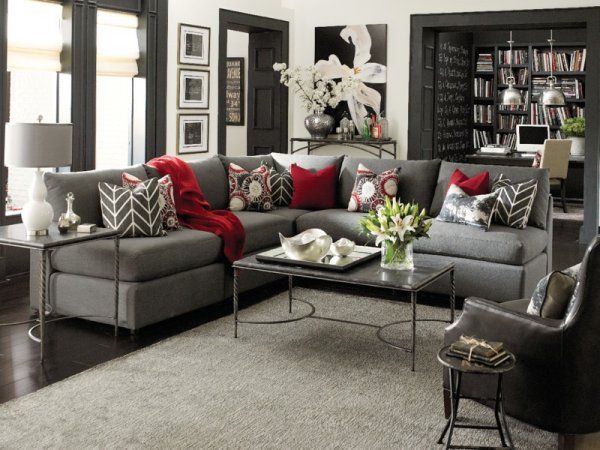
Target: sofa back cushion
<point x="283" y="161"/>
<point x="516" y="174"/>
<point x="417" y="178"/>
<point x="247" y="162"/>
<point x="84" y="185"/>
<point x="212" y="178"/>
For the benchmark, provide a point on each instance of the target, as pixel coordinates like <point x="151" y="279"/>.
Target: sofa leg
<point x="566" y="442"/>
<point x="447" y="407"/>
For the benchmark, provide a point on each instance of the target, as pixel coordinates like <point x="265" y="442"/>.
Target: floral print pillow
<point x="249" y="191"/>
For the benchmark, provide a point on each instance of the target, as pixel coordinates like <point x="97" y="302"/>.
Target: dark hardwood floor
<point x="76" y="345"/>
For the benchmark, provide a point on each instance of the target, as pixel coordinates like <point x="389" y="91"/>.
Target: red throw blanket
<point x="194" y="211"/>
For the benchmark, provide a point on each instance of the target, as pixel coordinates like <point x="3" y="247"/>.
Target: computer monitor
<point x="530" y="138"/>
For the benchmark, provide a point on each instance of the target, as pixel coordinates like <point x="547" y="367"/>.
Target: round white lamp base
<point x="37" y="213"/>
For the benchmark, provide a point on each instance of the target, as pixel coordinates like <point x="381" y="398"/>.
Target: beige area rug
<point x="310" y="384"/>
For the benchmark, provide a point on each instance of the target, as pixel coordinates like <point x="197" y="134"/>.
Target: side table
<point x="456" y="368"/>
<point x="16" y="236"/>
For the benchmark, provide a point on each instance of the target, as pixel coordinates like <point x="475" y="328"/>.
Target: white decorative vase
<point x="577" y="146"/>
<point x="37" y="213"/>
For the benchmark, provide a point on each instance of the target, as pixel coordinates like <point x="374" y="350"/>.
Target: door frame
<point x="237" y="21"/>
<point x="521" y="19"/>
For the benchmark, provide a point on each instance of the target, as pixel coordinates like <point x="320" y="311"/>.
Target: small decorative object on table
<point x="342" y="247"/>
<point x="395" y="225"/>
<point x="310" y="245"/>
<point x="316" y="93"/>
<point x="73" y="219"/>
<point x="479" y="351"/>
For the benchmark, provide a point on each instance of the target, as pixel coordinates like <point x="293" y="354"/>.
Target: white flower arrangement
<point x="314" y="90"/>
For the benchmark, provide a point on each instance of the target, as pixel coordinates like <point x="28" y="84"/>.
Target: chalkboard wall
<point x="453" y="89"/>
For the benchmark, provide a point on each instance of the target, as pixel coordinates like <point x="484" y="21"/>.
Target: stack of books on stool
<point x="478" y="351"/>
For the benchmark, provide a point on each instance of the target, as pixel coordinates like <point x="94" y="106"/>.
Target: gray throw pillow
<point x="134" y="212"/>
<point x="461" y="208"/>
<point x="514" y="201"/>
<point x="554" y="294"/>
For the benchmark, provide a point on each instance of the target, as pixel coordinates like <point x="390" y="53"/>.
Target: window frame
<point x="79" y="59"/>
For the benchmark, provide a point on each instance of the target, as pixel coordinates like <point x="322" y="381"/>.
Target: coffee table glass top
<point x="427" y="269"/>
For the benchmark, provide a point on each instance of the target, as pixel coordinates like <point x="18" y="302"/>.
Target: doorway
<point x="425" y="31"/>
<point x="253" y="120"/>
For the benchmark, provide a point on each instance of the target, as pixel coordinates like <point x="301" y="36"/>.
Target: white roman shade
<point x="34" y="35"/>
<point x="117" y="47"/>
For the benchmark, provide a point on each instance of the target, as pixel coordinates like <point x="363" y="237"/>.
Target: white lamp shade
<point x="38" y="144"/>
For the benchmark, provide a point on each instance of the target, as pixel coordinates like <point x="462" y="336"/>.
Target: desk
<point x="375" y="147"/>
<point x="574" y="179"/>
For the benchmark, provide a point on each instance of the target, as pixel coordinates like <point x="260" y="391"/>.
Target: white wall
<point x="237" y="138"/>
<point x="396" y="14"/>
<point x="206" y="13"/>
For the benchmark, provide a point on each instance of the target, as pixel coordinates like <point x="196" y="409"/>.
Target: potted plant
<point x="574" y="129"/>
<point x="395" y="227"/>
<point x="316" y="93"/>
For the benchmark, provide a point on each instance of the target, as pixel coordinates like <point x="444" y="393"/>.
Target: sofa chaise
<point x="167" y="276"/>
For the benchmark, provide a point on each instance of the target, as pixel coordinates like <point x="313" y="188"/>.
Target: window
<point x="33" y="63"/>
<point x="117" y="55"/>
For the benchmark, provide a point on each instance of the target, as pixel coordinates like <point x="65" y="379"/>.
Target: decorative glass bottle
<point x="383" y="122"/>
<point x="73" y="219"/>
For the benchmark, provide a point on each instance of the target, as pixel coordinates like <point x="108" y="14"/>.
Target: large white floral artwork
<point x="358" y="51"/>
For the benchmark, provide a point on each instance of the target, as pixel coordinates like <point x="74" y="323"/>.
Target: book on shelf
<point x="483" y="114"/>
<point x="507" y="139"/>
<point x="483" y="87"/>
<point x="481" y="138"/>
<point x="571" y="87"/>
<point x="521" y="76"/>
<point x="518" y="56"/>
<point x="565" y="61"/>
<point x="485" y="62"/>
<point x="554" y="115"/>
<point x="508" y="122"/>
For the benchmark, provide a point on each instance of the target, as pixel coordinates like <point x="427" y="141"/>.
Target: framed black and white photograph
<point x="192" y="134"/>
<point x="194" y="45"/>
<point x="359" y="51"/>
<point x="193" y="89"/>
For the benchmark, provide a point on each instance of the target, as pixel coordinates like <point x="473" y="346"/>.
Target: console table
<point x="375" y="147"/>
<point x="574" y="179"/>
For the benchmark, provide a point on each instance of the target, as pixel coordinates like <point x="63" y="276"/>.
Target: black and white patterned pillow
<point x="135" y="212"/>
<point x="514" y="201"/>
<point x="282" y="187"/>
<point x="459" y="207"/>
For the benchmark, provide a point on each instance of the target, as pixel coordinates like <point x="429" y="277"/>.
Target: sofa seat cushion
<point x="141" y="259"/>
<point x="262" y="229"/>
<point x="499" y="244"/>
<point x="338" y="223"/>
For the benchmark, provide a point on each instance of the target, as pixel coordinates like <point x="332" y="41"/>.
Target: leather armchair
<point x="556" y="382"/>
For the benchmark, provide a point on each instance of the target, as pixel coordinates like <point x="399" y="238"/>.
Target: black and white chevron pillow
<point x="282" y="187"/>
<point x="135" y="212"/>
<point x="514" y="203"/>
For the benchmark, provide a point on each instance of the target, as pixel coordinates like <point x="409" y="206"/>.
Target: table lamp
<point x="38" y="145"/>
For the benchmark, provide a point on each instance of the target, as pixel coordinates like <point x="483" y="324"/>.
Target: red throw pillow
<point x="313" y="190"/>
<point x="477" y="185"/>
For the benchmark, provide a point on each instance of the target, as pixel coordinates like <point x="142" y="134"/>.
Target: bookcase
<point x="496" y="123"/>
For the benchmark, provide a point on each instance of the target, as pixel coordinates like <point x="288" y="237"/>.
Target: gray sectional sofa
<point x="168" y="276"/>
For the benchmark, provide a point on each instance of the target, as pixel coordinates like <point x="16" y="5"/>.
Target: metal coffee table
<point x="427" y="270"/>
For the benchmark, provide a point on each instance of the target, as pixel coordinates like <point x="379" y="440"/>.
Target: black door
<point x="267" y="112"/>
<point x="426" y="94"/>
